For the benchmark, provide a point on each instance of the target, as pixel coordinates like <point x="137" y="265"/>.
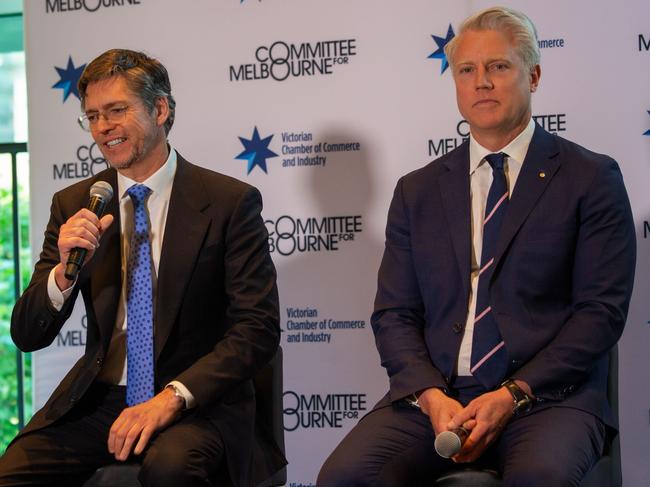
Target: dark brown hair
<point x="146" y="77"/>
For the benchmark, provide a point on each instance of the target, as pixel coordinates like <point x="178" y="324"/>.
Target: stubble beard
<point x="135" y="156"/>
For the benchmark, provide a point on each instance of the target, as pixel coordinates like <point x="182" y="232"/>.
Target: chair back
<point x="268" y="393"/>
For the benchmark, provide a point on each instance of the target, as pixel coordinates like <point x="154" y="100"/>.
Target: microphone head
<point x="448" y="443"/>
<point x="103" y="190"/>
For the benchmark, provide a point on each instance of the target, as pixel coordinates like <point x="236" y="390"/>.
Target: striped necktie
<point x="139" y="328"/>
<point x="489" y="358"/>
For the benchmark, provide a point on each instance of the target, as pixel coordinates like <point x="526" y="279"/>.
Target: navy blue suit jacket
<point x="562" y="280"/>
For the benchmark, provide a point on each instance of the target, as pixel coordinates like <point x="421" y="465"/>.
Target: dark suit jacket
<point x="216" y="315"/>
<point x="563" y="274"/>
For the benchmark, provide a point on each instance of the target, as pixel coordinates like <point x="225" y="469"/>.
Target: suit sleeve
<point x="35" y="323"/>
<point x="398" y="317"/>
<point x="602" y="280"/>
<point x="253" y="308"/>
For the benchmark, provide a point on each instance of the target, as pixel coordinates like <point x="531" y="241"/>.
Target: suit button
<point x="99" y="362"/>
<point x="567" y="390"/>
<point x="42" y="323"/>
<point x="457" y="328"/>
<point x="73" y="398"/>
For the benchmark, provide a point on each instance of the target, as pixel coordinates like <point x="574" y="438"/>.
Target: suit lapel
<point x="105" y="282"/>
<point x="538" y="168"/>
<point x="185" y="231"/>
<point x="454" y="191"/>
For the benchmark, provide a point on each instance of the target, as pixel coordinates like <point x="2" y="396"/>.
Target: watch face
<point x="523" y="405"/>
<point x="522" y="401"/>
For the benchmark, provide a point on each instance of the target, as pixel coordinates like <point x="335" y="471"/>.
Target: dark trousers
<point x="68" y="452"/>
<point x="393" y="446"/>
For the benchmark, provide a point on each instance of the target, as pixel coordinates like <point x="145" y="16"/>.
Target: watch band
<point x="522" y="402"/>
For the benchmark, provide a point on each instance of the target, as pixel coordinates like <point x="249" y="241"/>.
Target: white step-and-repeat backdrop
<point x="323" y="104"/>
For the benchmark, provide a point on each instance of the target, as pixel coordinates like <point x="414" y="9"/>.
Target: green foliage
<point x="8" y="352"/>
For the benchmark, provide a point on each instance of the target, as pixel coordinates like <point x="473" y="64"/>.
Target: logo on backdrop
<point x="304" y="325"/>
<point x="644" y="43"/>
<point x="68" y="79"/>
<point x="552" y="122"/>
<point x="288" y="234"/>
<point x="73" y="338"/>
<point x="316" y="411"/>
<point x="256" y="151"/>
<point x="439" y="147"/>
<point x="439" y="53"/>
<point x="59" y="6"/>
<point x="551" y="43"/>
<point x="647" y="132"/>
<point x="282" y="60"/>
<point x="299" y="149"/>
<point x="90" y="161"/>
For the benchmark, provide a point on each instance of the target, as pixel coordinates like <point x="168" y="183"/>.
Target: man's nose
<point x="483" y="79"/>
<point x="104" y="124"/>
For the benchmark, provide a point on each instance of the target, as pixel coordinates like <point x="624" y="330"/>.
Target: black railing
<point x="14" y="149"/>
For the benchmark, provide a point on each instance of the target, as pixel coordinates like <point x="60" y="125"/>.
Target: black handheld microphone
<point x="448" y="443"/>
<point x="100" y="194"/>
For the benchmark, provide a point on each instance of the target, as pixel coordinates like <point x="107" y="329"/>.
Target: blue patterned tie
<point x="139" y="329"/>
<point x="489" y="358"/>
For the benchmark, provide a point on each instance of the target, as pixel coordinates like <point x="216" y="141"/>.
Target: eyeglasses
<point x="116" y="114"/>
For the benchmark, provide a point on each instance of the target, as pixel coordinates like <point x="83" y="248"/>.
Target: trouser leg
<point x="556" y="446"/>
<point x="188" y="453"/>
<point x="68" y="451"/>
<point x="391" y="446"/>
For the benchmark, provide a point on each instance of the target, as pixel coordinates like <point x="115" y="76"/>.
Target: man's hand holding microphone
<point x="463" y="433"/>
<point x="79" y="236"/>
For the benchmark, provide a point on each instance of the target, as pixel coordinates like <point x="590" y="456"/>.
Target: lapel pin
<point x="541" y="174"/>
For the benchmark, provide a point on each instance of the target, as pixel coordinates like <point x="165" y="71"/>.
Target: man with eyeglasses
<point x="181" y="302"/>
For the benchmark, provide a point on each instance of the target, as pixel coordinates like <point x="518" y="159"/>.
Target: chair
<point x="268" y="390"/>
<point x="605" y="473"/>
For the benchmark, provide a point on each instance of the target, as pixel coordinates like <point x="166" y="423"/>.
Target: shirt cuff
<point x="190" y="402"/>
<point x="57" y="297"/>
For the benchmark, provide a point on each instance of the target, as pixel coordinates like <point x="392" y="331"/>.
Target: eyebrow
<point x="108" y="106"/>
<point x="499" y="60"/>
<point x="489" y="61"/>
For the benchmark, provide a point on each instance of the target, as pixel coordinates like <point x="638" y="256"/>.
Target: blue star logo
<point x="69" y="79"/>
<point x="440" y="52"/>
<point x="256" y="151"/>
<point x="647" y="132"/>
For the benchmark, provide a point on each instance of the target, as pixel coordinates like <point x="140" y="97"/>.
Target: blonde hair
<point x="508" y="21"/>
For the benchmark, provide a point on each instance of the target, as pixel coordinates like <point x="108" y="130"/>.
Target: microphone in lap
<point x="100" y="194"/>
<point x="448" y="443"/>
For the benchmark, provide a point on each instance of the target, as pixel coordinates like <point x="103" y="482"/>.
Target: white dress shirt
<point x="480" y="182"/>
<point x="114" y="370"/>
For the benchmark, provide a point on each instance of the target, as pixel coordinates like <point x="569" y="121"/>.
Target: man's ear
<point x="535" y="74"/>
<point x="162" y="110"/>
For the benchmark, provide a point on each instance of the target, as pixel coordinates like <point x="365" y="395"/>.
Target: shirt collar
<point x="516" y="149"/>
<point x="159" y="182"/>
